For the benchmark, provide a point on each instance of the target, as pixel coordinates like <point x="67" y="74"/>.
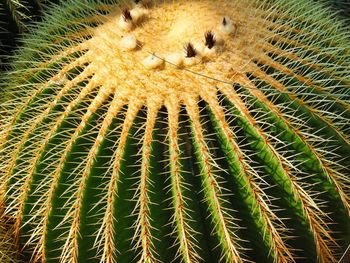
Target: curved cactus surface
<point x="179" y="131"/>
<point x="15" y="18"/>
<point x="8" y="250"/>
<point x="342" y="7"/>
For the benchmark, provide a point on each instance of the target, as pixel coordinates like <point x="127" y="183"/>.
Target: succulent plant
<point x="8" y="250"/>
<point x="179" y="131"/>
<point x="15" y="17"/>
<point x="342" y="7"/>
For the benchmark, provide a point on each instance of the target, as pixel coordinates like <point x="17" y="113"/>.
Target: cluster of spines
<point x="15" y="18"/>
<point x="8" y="250"/>
<point x="193" y="54"/>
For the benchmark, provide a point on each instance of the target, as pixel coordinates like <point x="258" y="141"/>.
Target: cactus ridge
<point x="118" y="146"/>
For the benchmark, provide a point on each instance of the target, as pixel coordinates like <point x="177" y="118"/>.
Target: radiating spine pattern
<point x="179" y="131"/>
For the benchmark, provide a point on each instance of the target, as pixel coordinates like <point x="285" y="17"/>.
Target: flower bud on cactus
<point x="235" y="149"/>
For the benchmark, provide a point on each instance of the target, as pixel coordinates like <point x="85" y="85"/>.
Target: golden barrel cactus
<point x="179" y="131"/>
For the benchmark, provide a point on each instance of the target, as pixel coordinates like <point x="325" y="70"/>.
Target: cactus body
<point x="8" y="250"/>
<point x="186" y="131"/>
<point x="14" y="15"/>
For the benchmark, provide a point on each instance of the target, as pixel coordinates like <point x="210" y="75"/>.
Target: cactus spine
<point x="187" y="131"/>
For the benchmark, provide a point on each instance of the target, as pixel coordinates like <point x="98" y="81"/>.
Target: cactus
<point x="8" y="250"/>
<point x="342" y="7"/>
<point x="185" y="131"/>
<point x="15" y="17"/>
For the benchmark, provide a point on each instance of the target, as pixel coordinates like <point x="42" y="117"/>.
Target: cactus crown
<point x="190" y="131"/>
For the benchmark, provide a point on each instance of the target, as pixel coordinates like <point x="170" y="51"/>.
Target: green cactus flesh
<point x="179" y="131"/>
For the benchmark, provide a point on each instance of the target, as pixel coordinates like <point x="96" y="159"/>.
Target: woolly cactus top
<point x="173" y="52"/>
<point x="186" y="131"/>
